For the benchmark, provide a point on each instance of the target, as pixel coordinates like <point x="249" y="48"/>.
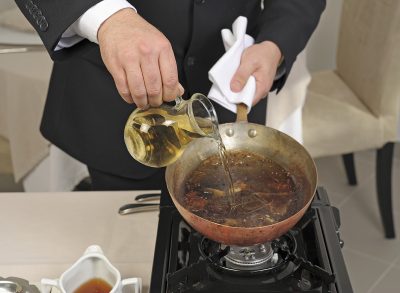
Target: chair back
<point x="368" y="56"/>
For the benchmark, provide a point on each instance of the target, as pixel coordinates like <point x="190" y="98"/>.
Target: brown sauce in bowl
<point x="265" y="192"/>
<point x="95" y="285"/>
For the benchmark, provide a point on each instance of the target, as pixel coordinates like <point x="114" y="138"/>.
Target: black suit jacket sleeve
<point x="51" y="18"/>
<point x="289" y="24"/>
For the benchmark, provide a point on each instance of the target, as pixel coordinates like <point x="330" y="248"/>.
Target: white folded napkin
<point x="221" y="73"/>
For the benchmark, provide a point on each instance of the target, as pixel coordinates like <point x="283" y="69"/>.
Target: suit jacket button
<point x="29" y="5"/>
<point x="34" y="11"/>
<point x="40" y="20"/>
<point x="43" y="25"/>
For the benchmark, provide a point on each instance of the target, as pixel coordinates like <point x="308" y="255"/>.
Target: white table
<point x="43" y="234"/>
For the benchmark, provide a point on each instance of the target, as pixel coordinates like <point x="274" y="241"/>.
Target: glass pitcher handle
<point x="178" y="101"/>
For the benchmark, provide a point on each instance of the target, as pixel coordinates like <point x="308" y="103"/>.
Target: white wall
<point x="321" y="49"/>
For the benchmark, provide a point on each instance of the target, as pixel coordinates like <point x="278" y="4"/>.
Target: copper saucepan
<point x="254" y="138"/>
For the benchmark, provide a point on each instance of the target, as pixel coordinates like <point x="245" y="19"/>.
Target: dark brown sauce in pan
<point x="265" y="193"/>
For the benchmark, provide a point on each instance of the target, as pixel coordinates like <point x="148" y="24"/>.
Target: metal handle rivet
<point x="252" y="133"/>
<point x="229" y="132"/>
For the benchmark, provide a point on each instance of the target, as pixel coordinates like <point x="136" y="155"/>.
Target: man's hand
<point x="140" y="59"/>
<point x="260" y="60"/>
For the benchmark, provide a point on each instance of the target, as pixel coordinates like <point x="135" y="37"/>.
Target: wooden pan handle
<point x="241" y="115"/>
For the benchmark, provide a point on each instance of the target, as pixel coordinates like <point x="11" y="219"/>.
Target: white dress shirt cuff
<point x="87" y="26"/>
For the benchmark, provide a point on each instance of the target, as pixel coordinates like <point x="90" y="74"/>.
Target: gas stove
<point x="307" y="258"/>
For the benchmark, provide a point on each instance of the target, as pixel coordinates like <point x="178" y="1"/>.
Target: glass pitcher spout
<point x="157" y="136"/>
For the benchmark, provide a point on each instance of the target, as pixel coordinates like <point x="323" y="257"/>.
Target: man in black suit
<point x="146" y="54"/>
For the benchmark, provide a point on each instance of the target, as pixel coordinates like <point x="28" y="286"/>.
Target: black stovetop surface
<point x="314" y="264"/>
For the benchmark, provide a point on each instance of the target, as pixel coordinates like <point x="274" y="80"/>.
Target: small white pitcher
<point x="93" y="264"/>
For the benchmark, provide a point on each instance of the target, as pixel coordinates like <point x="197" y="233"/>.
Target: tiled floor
<point x="372" y="261"/>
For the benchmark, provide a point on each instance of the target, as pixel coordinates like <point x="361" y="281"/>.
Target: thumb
<point x="241" y="76"/>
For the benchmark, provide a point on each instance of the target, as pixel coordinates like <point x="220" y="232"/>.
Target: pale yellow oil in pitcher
<point x="156" y="137"/>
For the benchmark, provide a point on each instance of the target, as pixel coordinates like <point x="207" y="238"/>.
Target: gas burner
<point x="254" y="257"/>
<point x="306" y="259"/>
<point x="272" y="256"/>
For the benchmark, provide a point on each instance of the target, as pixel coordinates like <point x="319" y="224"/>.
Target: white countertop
<point x="43" y="234"/>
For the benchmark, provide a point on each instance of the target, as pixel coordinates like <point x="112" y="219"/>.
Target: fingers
<point x="181" y="90"/>
<point x="152" y="80"/>
<point x="169" y="76"/>
<point x="136" y="85"/>
<point x="149" y="84"/>
<point x="261" y="61"/>
<point x="122" y="85"/>
<point x="140" y="59"/>
<point x="246" y="68"/>
<point x="263" y="85"/>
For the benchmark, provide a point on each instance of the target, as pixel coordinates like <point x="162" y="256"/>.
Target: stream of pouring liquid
<point x="223" y="155"/>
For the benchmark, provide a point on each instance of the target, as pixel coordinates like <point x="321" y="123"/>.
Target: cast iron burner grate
<point x="284" y="262"/>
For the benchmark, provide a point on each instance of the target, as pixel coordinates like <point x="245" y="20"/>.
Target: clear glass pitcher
<point x="157" y="136"/>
